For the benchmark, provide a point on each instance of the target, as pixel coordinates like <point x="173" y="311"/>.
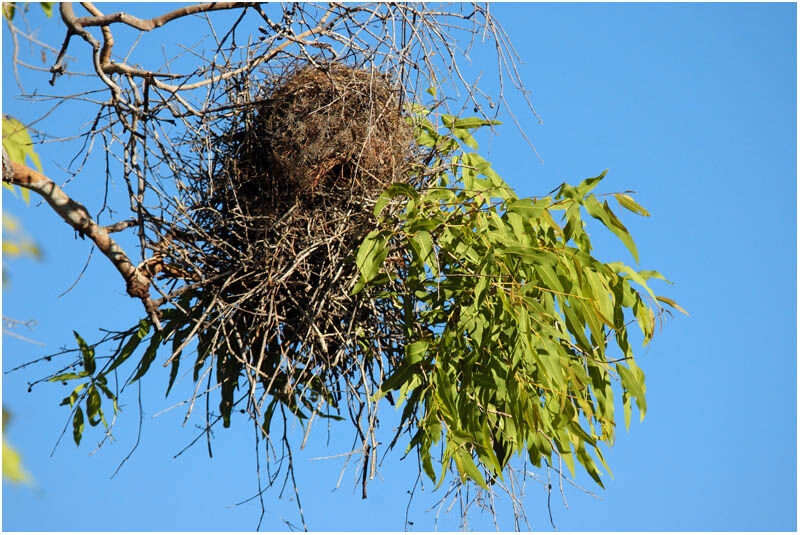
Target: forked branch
<point x="137" y="281"/>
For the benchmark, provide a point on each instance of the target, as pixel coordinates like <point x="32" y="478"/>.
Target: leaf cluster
<point x="514" y="330"/>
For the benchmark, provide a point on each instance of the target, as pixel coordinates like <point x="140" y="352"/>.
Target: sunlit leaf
<point x="626" y="201"/>
<point x="671" y="303"/>
<point x="17" y="142"/>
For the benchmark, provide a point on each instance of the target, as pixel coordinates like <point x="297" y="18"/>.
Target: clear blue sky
<point x="691" y="105"/>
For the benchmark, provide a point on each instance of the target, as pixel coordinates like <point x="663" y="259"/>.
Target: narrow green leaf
<point x="604" y="214"/>
<point x="68" y="376"/>
<point x="601" y="296"/>
<point x="77" y="426"/>
<point x="474" y="122"/>
<point x="632" y="379"/>
<point x="110" y="395"/>
<point x="619" y="267"/>
<point x="588" y="464"/>
<point x="149" y="356"/>
<point x="628" y="203"/>
<point x="671" y="303"/>
<point x="648" y="274"/>
<point x="130" y="345"/>
<point x="73" y="397"/>
<point x="589" y="184"/>
<point x="471" y="470"/>
<point x="427" y="465"/>
<point x="173" y="373"/>
<point x="93" y="405"/>
<point x="87" y="354"/>
<point x="532" y="256"/>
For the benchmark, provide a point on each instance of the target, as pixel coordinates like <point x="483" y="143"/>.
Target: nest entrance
<point x="288" y="203"/>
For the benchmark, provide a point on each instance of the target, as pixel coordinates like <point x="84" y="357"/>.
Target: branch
<point x="77" y="216"/>
<point x="157" y="22"/>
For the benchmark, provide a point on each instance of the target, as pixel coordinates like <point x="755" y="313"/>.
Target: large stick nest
<point x="282" y="210"/>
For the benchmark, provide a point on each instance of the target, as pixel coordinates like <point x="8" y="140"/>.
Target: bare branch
<point x="77" y="216"/>
<point x="157" y="22"/>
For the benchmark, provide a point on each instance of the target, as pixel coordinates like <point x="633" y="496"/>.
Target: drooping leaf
<point x="671" y="303"/>
<point x="604" y="214"/>
<point x="87" y="354"/>
<point x="77" y="426"/>
<point x="626" y="201"/>
<point x="93" y="403"/>
<point x="149" y="355"/>
<point x="130" y="345"/>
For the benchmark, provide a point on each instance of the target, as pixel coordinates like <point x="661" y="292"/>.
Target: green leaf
<point x="619" y="267"/>
<point x="392" y="192"/>
<point x="17" y="142"/>
<point x="416" y="351"/>
<point x="9" y="9"/>
<point x="129" y="347"/>
<point x="632" y="379"/>
<point x="601" y="296"/>
<point x="532" y="256"/>
<point x="424" y="246"/>
<point x="12" y="465"/>
<point x="589" y="184"/>
<point x="604" y="214"/>
<point x="474" y="122"/>
<point x="470" y="470"/>
<point x="93" y="405"/>
<point x="73" y="397"/>
<point x="268" y="416"/>
<point x="648" y="274"/>
<point x="627" y="202"/>
<point x="77" y="426"/>
<point x="671" y="303"/>
<point x="588" y="464"/>
<point x="47" y="7"/>
<point x="108" y="394"/>
<point x="87" y="353"/>
<point x="177" y="341"/>
<point x="149" y="356"/>
<point x="68" y="376"/>
<point x="526" y="208"/>
<point x="371" y="254"/>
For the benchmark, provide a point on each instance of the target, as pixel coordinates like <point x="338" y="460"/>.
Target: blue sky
<point x="693" y="106"/>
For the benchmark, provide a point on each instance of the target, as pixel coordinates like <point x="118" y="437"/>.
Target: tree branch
<point x="77" y="216"/>
<point x="157" y="22"/>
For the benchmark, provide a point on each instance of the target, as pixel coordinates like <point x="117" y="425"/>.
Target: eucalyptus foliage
<point x="509" y="318"/>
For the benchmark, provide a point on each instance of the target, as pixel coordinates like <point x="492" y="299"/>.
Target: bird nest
<point x="270" y="230"/>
